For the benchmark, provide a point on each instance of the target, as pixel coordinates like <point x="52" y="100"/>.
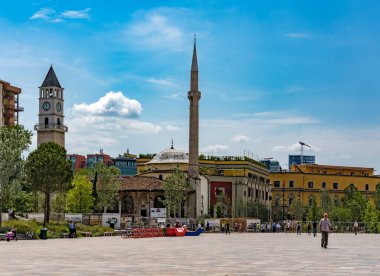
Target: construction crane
<point x="303" y="145"/>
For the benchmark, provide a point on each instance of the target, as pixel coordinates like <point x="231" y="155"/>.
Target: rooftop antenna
<point x="172" y="147"/>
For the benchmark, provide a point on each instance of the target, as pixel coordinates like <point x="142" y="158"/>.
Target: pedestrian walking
<point x="356" y="227"/>
<point x="324" y="227"/>
<point x="298" y="228"/>
<point x="228" y="228"/>
<point x="315" y="225"/>
<point x="309" y="228"/>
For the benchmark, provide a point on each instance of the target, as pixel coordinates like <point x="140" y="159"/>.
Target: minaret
<point x="194" y="96"/>
<point x="50" y="127"/>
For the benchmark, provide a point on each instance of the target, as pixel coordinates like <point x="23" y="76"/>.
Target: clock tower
<point x="50" y="127"/>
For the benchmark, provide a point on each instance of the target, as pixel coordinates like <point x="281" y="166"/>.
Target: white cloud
<point x="164" y="82"/>
<point x="240" y="138"/>
<point x="154" y="30"/>
<point x="275" y="117"/>
<point x="44" y="13"/>
<point x="173" y="96"/>
<point x="81" y="14"/>
<point x="296" y="147"/>
<point x="297" y="35"/>
<point x="112" y="104"/>
<point x="172" y="128"/>
<point x="217" y="149"/>
<point x="51" y="16"/>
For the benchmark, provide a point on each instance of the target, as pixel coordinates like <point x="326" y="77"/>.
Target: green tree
<point x="340" y="214"/>
<point x="354" y="201"/>
<point x="326" y="201"/>
<point x="48" y="171"/>
<point x="371" y="217"/>
<point x="14" y="140"/>
<point x="176" y="189"/>
<point x="107" y="184"/>
<point x="314" y="211"/>
<point x="296" y="209"/>
<point x="79" y="198"/>
<point x="59" y="202"/>
<point x="222" y="206"/>
<point x="376" y="197"/>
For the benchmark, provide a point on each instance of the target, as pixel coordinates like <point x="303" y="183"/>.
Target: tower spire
<point x="194" y="64"/>
<point x="51" y="79"/>
<point x="194" y="69"/>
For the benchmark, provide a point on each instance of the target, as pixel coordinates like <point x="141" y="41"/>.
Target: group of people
<point x="238" y="227"/>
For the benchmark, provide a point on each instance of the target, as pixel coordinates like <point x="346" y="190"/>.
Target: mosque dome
<point x="170" y="156"/>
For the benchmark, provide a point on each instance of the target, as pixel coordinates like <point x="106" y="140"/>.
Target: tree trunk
<point x="47" y="207"/>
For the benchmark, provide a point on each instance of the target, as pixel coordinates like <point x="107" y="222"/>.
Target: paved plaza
<point x="209" y="254"/>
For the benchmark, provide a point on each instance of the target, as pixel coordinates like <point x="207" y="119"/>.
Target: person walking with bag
<point x="324" y="227"/>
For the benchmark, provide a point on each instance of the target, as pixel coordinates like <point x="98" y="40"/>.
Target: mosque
<point x="238" y="179"/>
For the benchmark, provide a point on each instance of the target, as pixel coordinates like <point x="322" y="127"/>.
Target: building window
<point x="249" y="192"/>
<point x="266" y="195"/>
<point x="323" y="185"/>
<point x="160" y="177"/>
<point x="276" y="184"/>
<point x="335" y="186"/>
<point x="291" y="184"/>
<point x="245" y="193"/>
<point x="46" y="121"/>
<point x="257" y="193"/>
<point x="310" y="184"/>
<point x="366" y="187"/>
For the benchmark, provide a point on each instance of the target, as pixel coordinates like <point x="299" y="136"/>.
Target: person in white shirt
<point x="324" y="227"/>
<point x="356" y="227"/>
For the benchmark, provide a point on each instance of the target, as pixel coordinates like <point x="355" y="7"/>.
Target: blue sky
<point x="272" y="73"/>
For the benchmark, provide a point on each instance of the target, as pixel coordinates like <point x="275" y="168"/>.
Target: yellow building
<point x="240" y="179"/>
<point x="305" y="180"/>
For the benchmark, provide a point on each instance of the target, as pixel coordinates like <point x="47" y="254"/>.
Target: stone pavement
<point x="209" y="254"/>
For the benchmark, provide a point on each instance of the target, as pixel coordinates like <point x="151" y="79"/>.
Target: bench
<point x="65" y="235"/>
<point x="86" y="234"/>
<point x="120" y="232"/>
<point x="108" y="234"/>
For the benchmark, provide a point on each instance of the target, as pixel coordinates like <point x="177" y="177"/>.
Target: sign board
<point x="158" y="212"/>
<point x="214" y="223"/>
<point x="73" y="217"/>
<point x="109" y="219"/>
<point x="252" y="224"/>
<point x="4" y="216"/>
<point x="37" y="217"/>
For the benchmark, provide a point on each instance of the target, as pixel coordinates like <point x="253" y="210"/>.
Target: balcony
<point x="49" y="127"/>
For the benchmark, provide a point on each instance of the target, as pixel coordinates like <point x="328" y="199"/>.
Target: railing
<point x="51" y="127"/>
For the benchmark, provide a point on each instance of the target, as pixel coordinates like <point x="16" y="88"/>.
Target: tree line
<point x="44" y="181"/>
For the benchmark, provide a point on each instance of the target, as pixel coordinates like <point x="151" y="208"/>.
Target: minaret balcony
<point x="50" y="127"/>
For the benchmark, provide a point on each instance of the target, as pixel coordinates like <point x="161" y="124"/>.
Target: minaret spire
<point x="194" y="95"/>
<point x="194" y="68"/>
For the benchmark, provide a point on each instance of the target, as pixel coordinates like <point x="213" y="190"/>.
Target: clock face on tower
<point x="46" y="106"/>
<point x="59" y="107"/>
